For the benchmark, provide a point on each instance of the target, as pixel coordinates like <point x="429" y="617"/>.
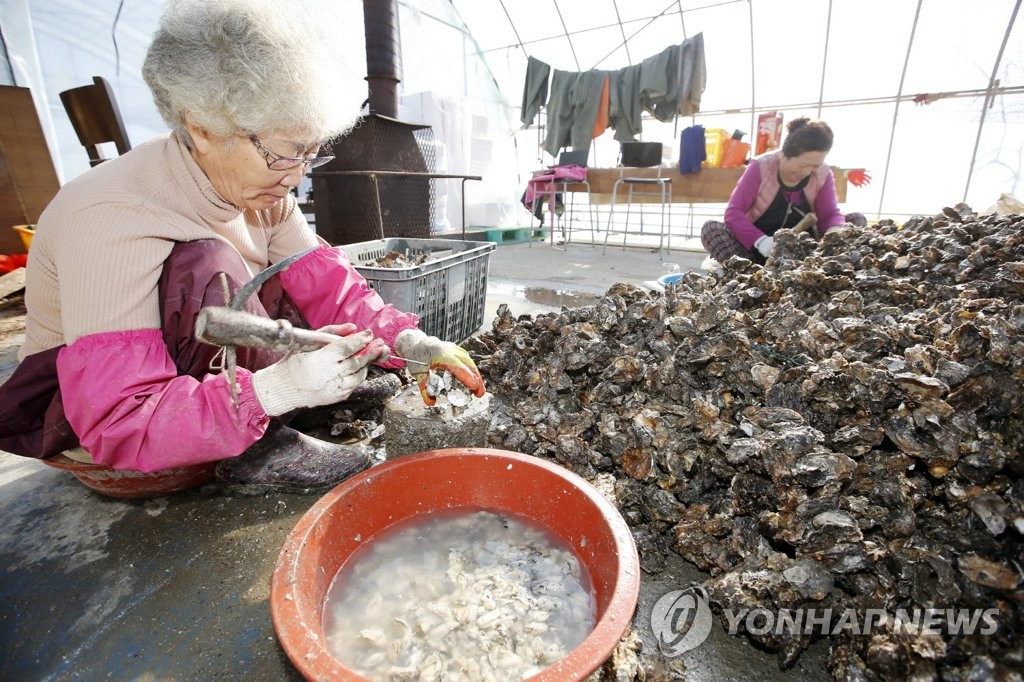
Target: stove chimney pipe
<point x="380" y="20"/>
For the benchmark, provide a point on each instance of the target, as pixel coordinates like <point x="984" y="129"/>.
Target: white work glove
<point x="437" y="355"/>
<point x="764" y="245"/>
<point x="319" y="377"/>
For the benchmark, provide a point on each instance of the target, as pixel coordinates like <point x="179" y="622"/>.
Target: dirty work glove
<point x="376" y="352"/>
<point x="319" y="377"/>
<point x="439" y="356"/>
<point x="764" y="245"/>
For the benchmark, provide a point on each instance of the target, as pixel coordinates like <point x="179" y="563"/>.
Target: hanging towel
<point x="535" y="90"/>
<point x="692" y="150"/>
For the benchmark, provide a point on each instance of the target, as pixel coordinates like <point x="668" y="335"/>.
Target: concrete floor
<point x="177" y="588"/>
<point x="535" y="277"/>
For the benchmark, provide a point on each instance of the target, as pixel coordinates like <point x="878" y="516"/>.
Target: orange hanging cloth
<point x="601" y="124"/>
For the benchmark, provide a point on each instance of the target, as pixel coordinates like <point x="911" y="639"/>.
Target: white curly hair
<point x="249" y="66"/>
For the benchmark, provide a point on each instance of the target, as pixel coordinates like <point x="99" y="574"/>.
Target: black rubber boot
<point x="856" y="219"/>
<point x="286" y="460"/>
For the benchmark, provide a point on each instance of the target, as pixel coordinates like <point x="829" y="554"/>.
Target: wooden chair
<point x="28" y="180"/>
<point x="94" y="114"/>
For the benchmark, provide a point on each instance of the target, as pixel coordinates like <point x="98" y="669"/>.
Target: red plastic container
<point x="473" y="478"/>
<point x="134" y="484"/>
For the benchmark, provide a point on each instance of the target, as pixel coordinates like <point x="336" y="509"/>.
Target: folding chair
<point x="552" y="188"/>
<point x="642" y="155"/>
<point x="95" y="117"/>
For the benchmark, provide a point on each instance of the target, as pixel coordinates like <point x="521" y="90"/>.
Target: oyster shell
<point x="842" y="426"/>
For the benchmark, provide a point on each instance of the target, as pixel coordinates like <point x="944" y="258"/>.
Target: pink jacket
<point x="757" y="188"/>
<point x="151" y="418"/>
<point x="543" y="182"/>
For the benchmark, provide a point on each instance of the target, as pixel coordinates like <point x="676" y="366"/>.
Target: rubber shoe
<point x="287" y="460"/>
<point x="856" y="219"/>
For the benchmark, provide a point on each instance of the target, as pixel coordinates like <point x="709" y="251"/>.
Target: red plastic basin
<point x="134" y="484"/>
<point x="473" y="478"/>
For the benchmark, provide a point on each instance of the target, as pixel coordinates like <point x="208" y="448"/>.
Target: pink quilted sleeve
<point x="328" y="290"/>
<point x="131" y="410"/>
<point x="742" y="198"/>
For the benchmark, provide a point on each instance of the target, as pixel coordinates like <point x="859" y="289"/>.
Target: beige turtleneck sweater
<point x="99" y="247"/>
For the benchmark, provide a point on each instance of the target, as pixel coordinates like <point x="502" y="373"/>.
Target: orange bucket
<point x="26" y="232"/>
<point x="472" y="478"/>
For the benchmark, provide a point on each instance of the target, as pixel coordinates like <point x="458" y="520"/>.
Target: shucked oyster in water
<point x="465" y="596"/>
<point x="841" y="428"/>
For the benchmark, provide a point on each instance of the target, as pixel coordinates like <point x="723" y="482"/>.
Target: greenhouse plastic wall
<point x="858" y="64"/>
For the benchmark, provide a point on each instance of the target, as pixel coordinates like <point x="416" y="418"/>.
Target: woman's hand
<point x="764" y="245"/>
<point x="320" y="377"/>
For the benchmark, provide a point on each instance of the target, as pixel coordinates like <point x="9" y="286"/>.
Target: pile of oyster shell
<point x="398" y="260"/>
<point x="841" y="428"/>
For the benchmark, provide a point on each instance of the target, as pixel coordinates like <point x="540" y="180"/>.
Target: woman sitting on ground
<point x="127" y="254"/>
<point x="777" y="191"/>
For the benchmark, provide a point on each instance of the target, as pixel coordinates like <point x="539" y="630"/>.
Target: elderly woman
<point x="126" y="255"/>
<point x="779" y="190"/>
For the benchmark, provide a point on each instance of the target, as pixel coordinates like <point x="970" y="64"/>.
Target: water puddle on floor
<point x="542" y="296"/>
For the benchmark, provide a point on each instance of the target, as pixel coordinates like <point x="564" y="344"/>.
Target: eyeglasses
<point x="283" y="163"/>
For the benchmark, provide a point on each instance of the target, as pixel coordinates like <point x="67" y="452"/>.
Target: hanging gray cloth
<point x="693" y="74"/>
<point x="624" y="103"/>
<point x="665" y="85"/>
<point x="572" y="109"/>
<point x="656" y="82"/>
<point x="535" y="90"/>
<point x="672" y="82"/>
<point x="586" y="99"/>
<point x="559" y="112"/>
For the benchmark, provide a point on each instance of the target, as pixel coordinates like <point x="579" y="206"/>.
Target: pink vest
<point x="769" y="166"/>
